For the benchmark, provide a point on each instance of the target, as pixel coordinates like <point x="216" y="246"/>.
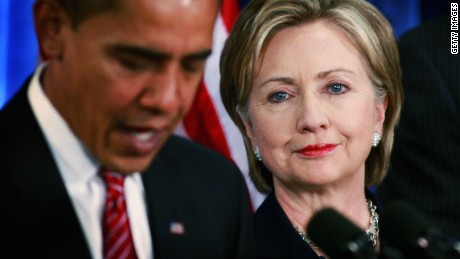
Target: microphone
<point x="403" y="227"/>
<point x="338" y="237"/>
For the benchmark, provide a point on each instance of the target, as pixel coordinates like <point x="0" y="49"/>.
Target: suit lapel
<point x="171" y="214"/>
<point x="41" y="202"/>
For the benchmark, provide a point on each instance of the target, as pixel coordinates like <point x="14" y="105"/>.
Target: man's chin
<point x="129" y="166"/>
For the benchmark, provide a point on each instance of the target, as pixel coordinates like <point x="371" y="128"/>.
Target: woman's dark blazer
<point x="275" y="236"/>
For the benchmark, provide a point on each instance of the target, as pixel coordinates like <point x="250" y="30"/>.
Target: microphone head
<point x="338" y="237"/>
<point x="403" y="227"/>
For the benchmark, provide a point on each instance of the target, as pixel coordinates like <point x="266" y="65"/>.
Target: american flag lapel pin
<point x="176" y="228"/>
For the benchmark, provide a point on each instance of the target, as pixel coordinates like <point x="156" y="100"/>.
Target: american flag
<point x="176" y="228"/>
<point x="207" y="122"/>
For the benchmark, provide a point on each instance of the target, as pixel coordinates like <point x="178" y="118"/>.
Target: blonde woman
<point x="314" y="86"/>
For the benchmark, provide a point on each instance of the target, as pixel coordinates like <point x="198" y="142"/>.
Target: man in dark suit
<point x="425" y="169"/>
<point x="118" y="77"/>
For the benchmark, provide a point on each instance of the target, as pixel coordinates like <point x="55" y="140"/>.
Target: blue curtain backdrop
<point x="18" y="46"/>
<point x="19" y="50"/>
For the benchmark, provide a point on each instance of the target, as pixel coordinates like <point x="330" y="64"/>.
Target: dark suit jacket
<point x="186" y="183"/>
<point x="425" y="169"/>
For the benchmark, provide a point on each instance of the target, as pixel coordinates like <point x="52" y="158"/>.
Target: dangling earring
<point x="257" y="153"/>
<point x="376" y="139"/>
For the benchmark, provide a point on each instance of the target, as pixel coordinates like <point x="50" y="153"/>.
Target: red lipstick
<point x="317" y="150"/>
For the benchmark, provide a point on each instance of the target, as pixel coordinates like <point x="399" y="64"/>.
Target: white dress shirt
<point x="80" y="173"/>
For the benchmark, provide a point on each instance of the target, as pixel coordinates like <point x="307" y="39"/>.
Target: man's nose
<point x="162" y="91"/>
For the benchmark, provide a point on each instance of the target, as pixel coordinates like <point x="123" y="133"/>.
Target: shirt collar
<point x="74" y="160"/>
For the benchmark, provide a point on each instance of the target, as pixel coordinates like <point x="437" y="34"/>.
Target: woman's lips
<point x="317" y="150"/>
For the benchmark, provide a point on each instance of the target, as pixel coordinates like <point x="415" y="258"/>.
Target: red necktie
<point x="118" y="240"/>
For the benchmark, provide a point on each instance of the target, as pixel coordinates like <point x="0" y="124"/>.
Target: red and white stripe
<point x="208" y="122"/>
<point x="117" y="237"/>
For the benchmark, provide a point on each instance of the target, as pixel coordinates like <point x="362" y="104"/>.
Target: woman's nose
<point x="312" y="114"/>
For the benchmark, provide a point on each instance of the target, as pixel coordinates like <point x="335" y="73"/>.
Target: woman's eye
<point x="337" y="88"/>
<point x="278" y="97"/>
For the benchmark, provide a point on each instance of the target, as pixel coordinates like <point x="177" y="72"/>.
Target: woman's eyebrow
<point x="323" y="74"/>
<point x="285" y="80"/>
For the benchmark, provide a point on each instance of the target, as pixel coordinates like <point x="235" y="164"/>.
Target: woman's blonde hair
<point x="364" y="26"/>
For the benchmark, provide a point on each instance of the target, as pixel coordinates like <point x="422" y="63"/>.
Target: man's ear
<point x="50" y="19"/>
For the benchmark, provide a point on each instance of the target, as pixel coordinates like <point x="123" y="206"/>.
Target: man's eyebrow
<point x="149" y="53"/>
<point x="138" y="51"/>
<point x="200" y="55"/>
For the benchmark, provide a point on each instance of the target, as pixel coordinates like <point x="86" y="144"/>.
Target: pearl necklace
<point x="372" y="231"/>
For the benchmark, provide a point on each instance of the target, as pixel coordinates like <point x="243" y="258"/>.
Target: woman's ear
<point x="381" y="107"/>
<point x="50" y="19"/>
<point x="249" y="130"/>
